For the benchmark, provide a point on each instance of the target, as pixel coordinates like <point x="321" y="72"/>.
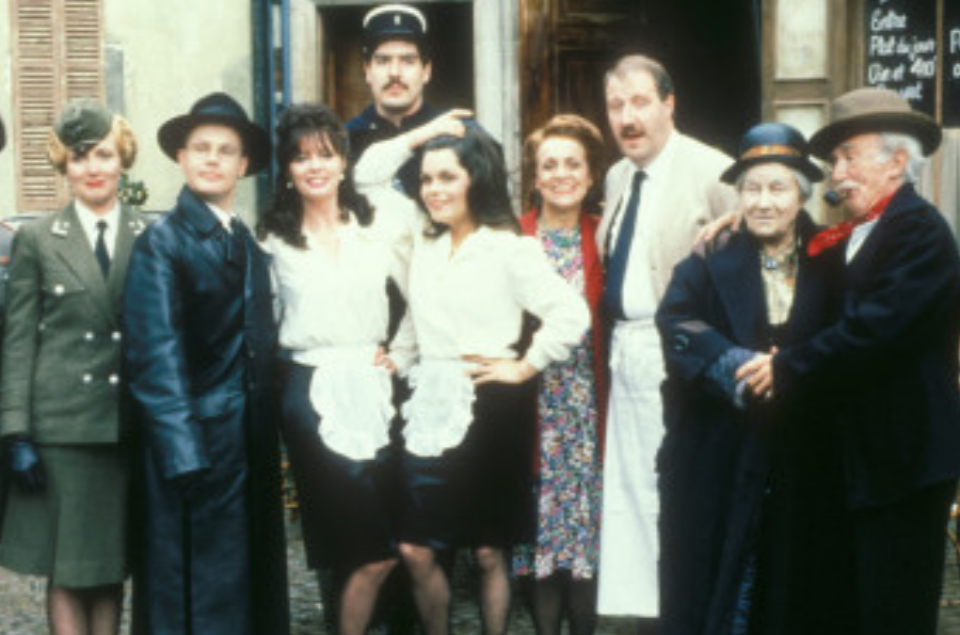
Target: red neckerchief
<point x="833" y="235"/>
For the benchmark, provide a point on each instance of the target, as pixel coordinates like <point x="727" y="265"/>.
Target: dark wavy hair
<point x="488" y="199"/>
<point x="284" y="216"/>
<point x="590" y="139"/>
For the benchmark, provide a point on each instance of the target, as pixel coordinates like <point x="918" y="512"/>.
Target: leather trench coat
<point x="200" y="344"/>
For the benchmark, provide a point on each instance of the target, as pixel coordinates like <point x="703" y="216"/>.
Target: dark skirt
<point x="343" y="509"/>
<point x="476" y="494"/>
<point x="74" y="532"/>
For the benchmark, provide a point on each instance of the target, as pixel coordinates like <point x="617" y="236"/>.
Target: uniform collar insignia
<point x="60" y="227"/>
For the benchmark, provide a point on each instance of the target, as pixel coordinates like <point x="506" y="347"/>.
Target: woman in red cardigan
<point x="564" y="156"/>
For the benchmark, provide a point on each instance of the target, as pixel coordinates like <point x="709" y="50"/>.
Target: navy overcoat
<point x="893" y="355"/>
<point x="717" y="461"/>
<point x="200" y="341"/>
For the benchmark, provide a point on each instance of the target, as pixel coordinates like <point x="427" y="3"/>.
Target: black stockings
<point x="558" y="596"/>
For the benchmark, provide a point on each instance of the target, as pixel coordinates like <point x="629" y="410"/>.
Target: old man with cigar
<point x="891" y="358"/>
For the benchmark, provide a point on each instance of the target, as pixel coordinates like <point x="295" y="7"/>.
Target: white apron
<point x="352" y="397"/>
<point x="629" y="542"/>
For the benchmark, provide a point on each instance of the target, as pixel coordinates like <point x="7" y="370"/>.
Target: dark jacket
<point x="892" y="356"/>
<point x="200" y="342"/>
<point x="716" y="460"/>
<point x="61" y="353"/>
<point x="369" y="127"/>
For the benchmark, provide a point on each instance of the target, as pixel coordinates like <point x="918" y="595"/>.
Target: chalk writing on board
<point x="902" y="49"/>
<point x="950" y="110"/>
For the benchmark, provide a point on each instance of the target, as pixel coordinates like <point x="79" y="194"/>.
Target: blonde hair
<point x="59" y="154"/>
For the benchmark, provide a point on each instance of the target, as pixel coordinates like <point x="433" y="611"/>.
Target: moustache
<point x="630" y="130"/>
<point x="395" y="83"/>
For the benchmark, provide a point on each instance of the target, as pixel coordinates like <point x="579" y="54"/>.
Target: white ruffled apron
<point x="440" y="410"/>
<point x="629" y="543"/>
<point x="353" y="397"/>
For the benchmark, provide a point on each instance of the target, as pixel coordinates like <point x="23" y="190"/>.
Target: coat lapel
<point x="811" y="293"/>
<point x="861" y="263"/>
<point x="736" y="274"/>
<point x="73" y="248"/>
<point x="212" y="238"/>
<point x="618" y="180"/>
<point x="129" y="228"/>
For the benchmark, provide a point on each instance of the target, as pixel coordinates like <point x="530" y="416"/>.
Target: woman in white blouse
<point x="331" y="262"/>
<point x="470" y="422"/>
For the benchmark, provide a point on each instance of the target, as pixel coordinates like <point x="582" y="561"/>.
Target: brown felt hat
<point x="874" y="110"/>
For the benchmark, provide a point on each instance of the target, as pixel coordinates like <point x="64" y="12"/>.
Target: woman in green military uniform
<point x="60" y="419"/>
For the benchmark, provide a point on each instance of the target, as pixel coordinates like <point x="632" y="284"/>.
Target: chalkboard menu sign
<point x="902" y="49"/>
<point x="951" y="64"/>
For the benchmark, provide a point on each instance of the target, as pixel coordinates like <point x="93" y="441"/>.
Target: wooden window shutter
<point x="58" y="56"/>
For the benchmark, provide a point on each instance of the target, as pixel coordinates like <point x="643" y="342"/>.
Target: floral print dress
<point x="568" y="490"/>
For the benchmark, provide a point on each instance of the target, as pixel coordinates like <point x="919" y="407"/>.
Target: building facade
<point x="515" y="62"/>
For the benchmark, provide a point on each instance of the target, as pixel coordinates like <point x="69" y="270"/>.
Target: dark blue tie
<point x="100" y="251"/>
<point x="238" y="242"/>
<point x="618" y="258"/>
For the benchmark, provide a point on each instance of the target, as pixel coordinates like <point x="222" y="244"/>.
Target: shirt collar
<point x="89" y="219"/>
<point x="223" y="217"/>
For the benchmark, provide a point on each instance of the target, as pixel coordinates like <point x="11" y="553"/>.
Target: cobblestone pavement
<point x="22" y="611"/>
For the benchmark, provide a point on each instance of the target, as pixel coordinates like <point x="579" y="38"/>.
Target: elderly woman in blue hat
<point x="724" y="456"/>
<point x="61" y="421"/>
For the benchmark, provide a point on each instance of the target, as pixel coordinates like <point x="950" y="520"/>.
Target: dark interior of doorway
<point x="712" y="50"/>
<point x="450" y="27"/>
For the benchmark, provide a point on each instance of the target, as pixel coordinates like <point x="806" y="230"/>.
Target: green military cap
<point x="82" y="124"/>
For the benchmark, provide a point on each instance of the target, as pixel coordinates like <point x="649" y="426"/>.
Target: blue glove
<point x="23" y="463"/>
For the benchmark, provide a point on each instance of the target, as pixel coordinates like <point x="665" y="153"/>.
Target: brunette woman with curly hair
<point x="469" y="424"/>
<point x="332" y="258"/>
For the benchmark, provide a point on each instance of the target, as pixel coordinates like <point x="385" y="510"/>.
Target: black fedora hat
<point x="221" y="109"/>
<point x="874" y="110"/>
<point x="773" y="143"/>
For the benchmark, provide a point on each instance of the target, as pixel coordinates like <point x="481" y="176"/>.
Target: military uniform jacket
<point x="61" y="353"/>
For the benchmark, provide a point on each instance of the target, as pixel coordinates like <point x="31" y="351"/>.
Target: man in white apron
<point x="661" y="192"/>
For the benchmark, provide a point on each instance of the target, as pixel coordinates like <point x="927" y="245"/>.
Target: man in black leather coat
<point x="199" y="342"/>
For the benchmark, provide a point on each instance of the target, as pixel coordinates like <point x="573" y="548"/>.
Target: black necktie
<point x="103" y="257"/>
<point x="238" y="241"/>
<point x="618" y="258"/>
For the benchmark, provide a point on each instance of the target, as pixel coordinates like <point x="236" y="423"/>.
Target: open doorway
<point x="711" y="50"/>
<point x="450" y="31"/>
